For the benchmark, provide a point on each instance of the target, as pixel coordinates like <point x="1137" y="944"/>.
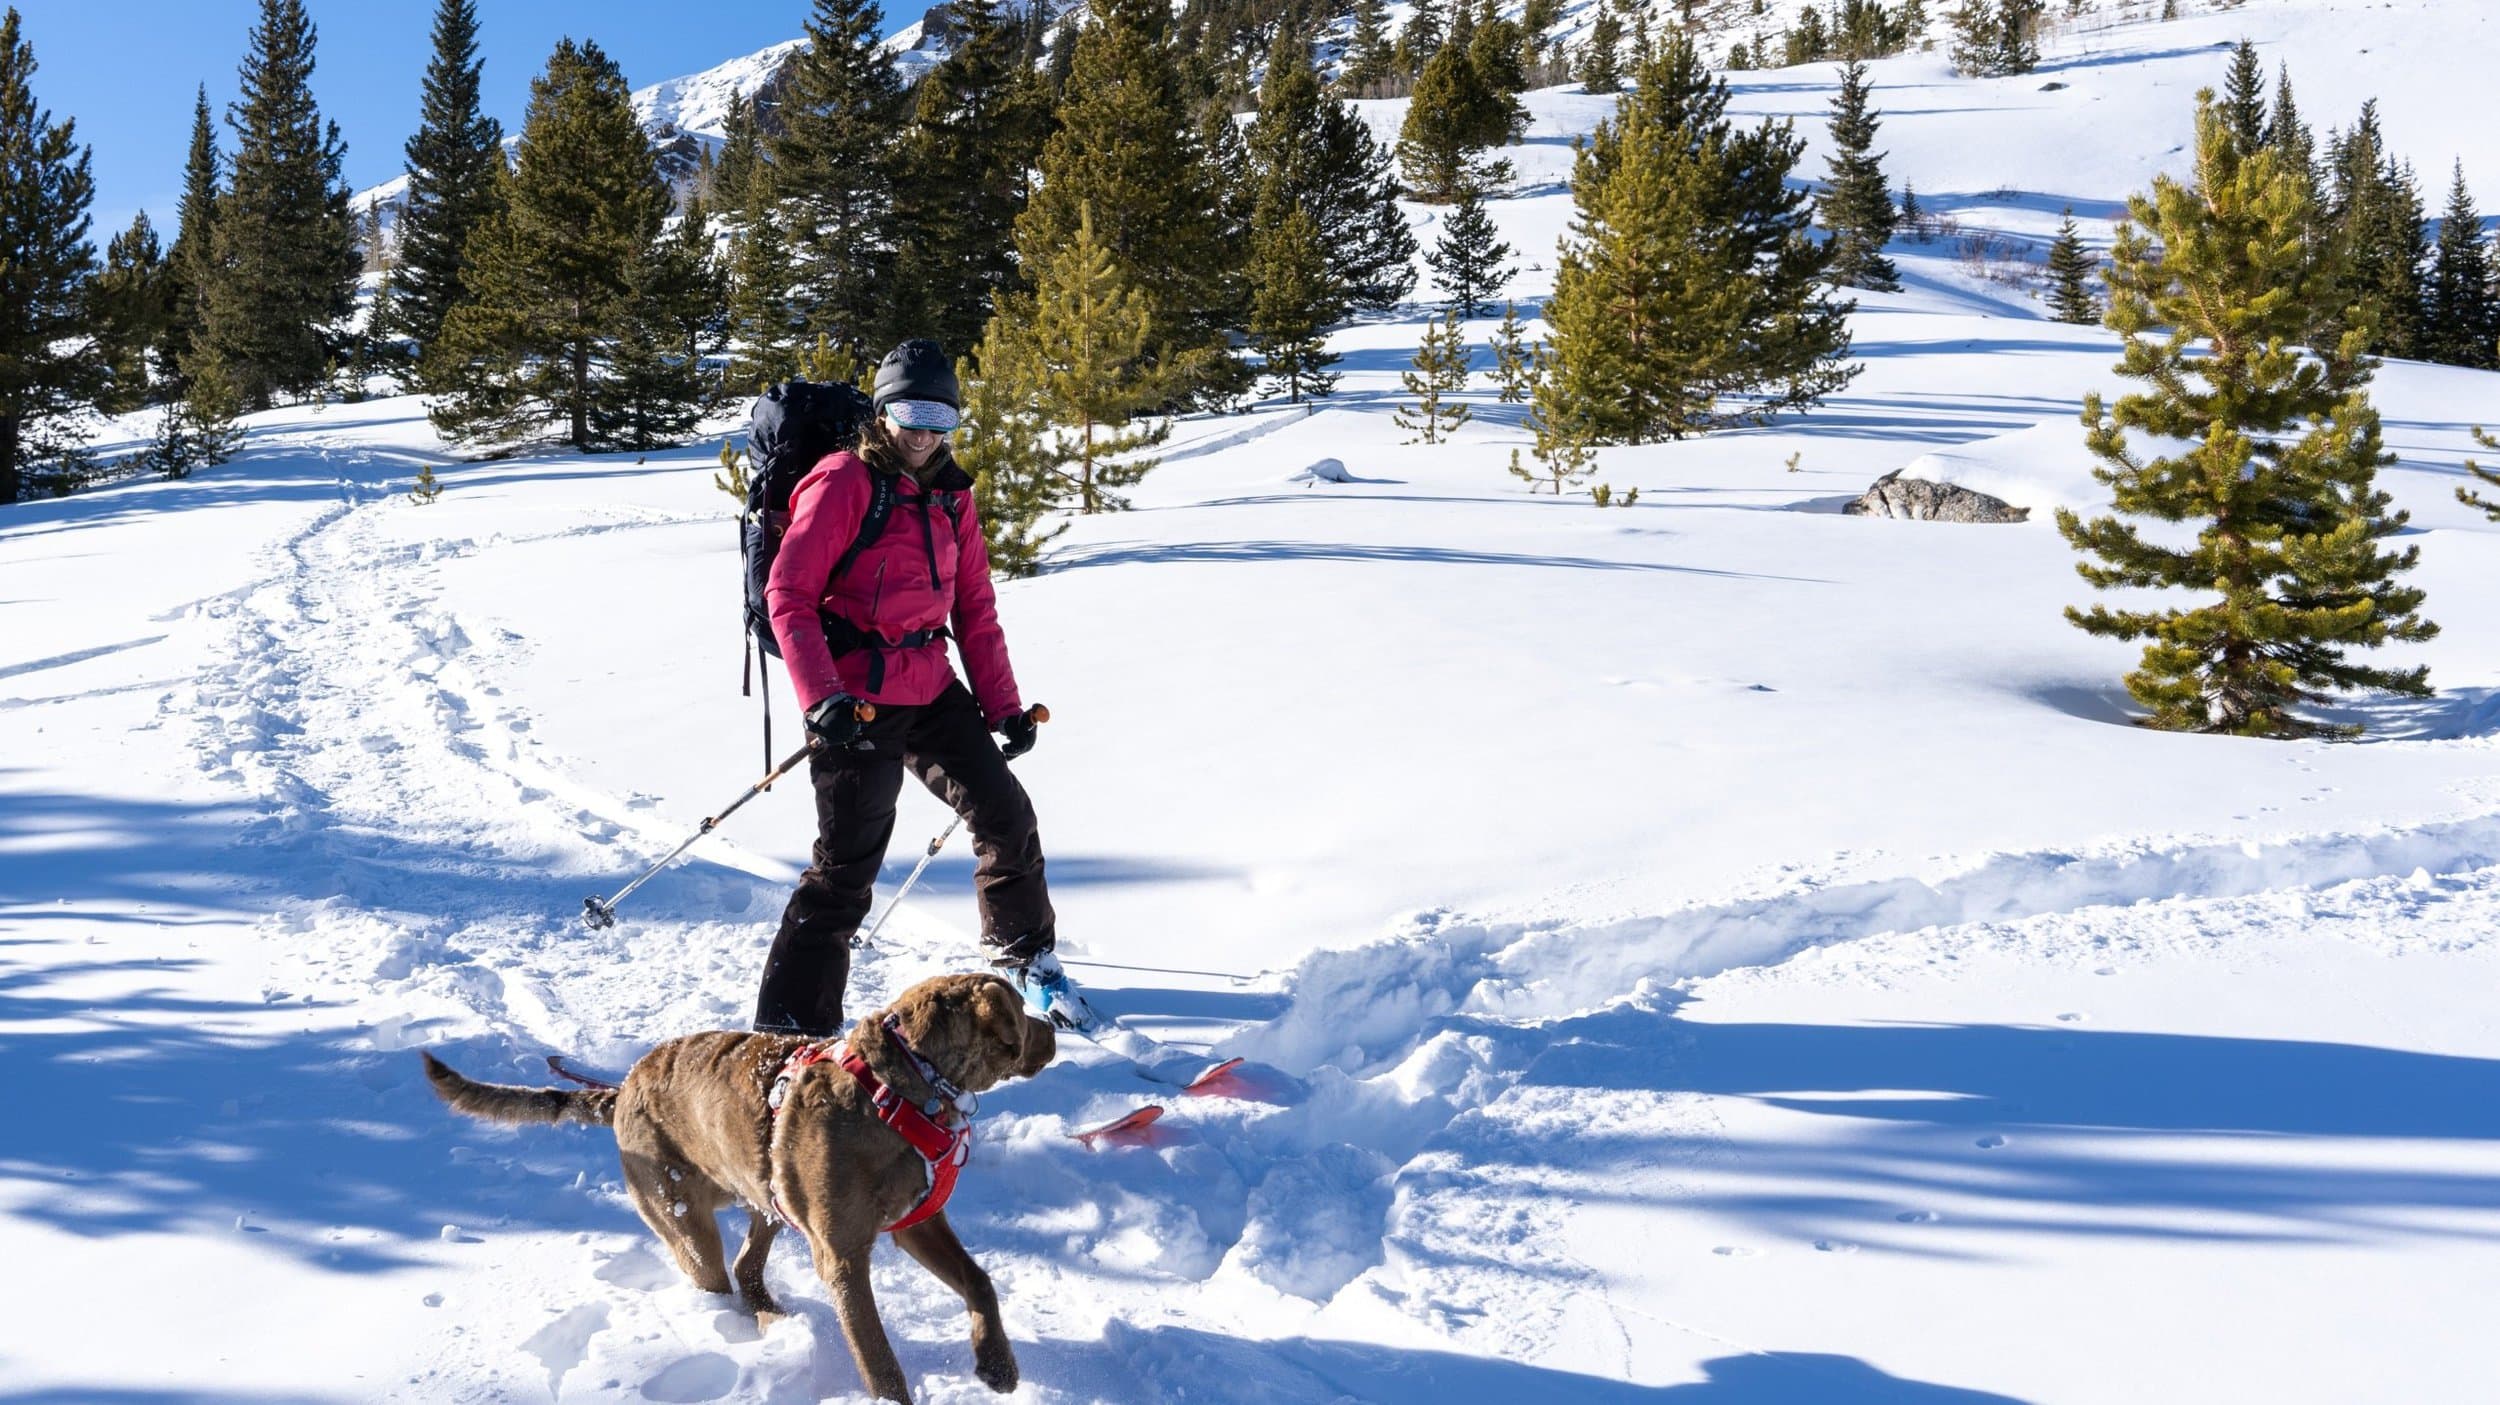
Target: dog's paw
<point x="997" y="1370"/>
<point x="769" y="1314"/>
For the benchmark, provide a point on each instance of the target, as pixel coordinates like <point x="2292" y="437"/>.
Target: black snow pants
<point x="945" y="744"/>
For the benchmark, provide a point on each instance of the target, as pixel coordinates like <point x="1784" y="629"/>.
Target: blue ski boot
<point x="1034" y="968"/>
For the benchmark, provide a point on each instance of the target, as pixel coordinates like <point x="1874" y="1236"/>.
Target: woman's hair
<point x="878" y="449"/>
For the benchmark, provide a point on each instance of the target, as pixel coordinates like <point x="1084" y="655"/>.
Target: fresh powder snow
<point x="1720" y="950"/>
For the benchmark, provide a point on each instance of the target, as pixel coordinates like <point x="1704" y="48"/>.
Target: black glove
<point x="835" y="721"/>
<point x="1021" y="731"/>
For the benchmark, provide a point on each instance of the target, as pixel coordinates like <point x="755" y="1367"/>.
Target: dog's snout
<point x="1041" y="1045"/>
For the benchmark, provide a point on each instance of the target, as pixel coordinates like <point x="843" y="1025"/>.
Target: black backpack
<point x="793" y="426"/>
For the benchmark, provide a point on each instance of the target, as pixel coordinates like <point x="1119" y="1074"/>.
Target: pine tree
<point x="1855" y="205"/>
<point x="1085" y="333"/>
<point x="130" y="306"/>
<point x="741" y="164"/>
<point x="2071" y="268"/>
<point x="977" y="125"/>
<point x="1496" y="49"/>
<point x="2461" y="312"/>
<point x="1468" y="260"/>
<point x="1289" y="306"/>
<point x="1427" y="32"/>
<point x="286" y="258"/>
<point x="2278" y="473"/>
<point x="1996" y="40"/>
<point x="2377" y="218"/>
<point x="1452" y="119"/>
<point x="834" y="168"/>
<point x="452" y="163"/>
<point x="2286" y="133"/>
<point x="2018" y="35"/>
<point x="551" y="274"/>
<point x="49" y="366"/>
<point x="1689" y="274"/>
<point x="1601" y="63"/>
<point x="1514" y="361"/>
<point x="1308" y="149"/>
<point x="653" y="391"/>
<point x="1062" y="63"/>
<point x="765" y="327"/>
<point x="1018" y="461"/>
<point x="1439" y="370"/>
<point x="1128" y="149"/>
<point x="197" y="428"/>
<point x="1369" y="57"/>
<point x="1565" y="440"/>
<point x="190" y="263"/>
<point x="1913" y="217"/>
<point x="2244" y="99"/>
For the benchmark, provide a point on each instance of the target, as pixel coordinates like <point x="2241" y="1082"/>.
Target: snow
<point x="1718" y="946"/>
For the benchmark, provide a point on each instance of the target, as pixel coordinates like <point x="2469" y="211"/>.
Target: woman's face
<point x="917" y="444"/>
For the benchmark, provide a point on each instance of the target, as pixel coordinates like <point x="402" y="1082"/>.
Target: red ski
<point x="1134" y="1129"/>
<point x="1222" y="1081"/>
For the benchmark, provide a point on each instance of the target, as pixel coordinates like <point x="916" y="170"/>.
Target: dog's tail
<point x="498" y="1102"/>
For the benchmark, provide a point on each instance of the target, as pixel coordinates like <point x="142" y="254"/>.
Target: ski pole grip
<point x="1039" y="714"/>
<point x="866" y="712"/>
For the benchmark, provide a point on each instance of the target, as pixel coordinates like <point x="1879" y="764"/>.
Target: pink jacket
<point x="926" y="569"/>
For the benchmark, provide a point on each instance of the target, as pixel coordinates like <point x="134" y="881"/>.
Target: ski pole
<point x="599" y="913"/>
<point x="1041" y="714"/>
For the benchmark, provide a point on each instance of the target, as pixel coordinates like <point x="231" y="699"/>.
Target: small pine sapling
<point x="2070" y="265"/>
<point x="1440" y="369"/>
<point x="427" y="487"/>
<point x="732" y="478"/>
<point x="1514" y="368"/>
<point x="2468" y="496"/>
<point x="1795" y="459"/>
<point x="1563" y="441"/>
<point x="1604" y="493"/>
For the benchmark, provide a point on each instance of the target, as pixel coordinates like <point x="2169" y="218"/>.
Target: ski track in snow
<point x="1427" y="1085"/>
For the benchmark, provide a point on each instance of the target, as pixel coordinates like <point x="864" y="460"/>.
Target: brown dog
<point x="696" y="1136"/>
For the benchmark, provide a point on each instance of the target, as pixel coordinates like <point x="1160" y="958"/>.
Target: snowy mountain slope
<point x="1716" y="950"/>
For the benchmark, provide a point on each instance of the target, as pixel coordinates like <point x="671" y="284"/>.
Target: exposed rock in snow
<point x="1920" y="500"/>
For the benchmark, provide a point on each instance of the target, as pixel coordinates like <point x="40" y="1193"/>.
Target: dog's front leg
<point x="845" y="1271"/>
<point x="748" y="1271"/>
<point x="933" y="1243"/>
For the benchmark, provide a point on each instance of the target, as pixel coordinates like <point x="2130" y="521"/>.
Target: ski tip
<point x="1216" y="1080"/>
<point x="1230" y="1079"/>
<point x="1133" y="1129"/>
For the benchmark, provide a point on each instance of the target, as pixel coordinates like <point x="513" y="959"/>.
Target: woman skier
<point x="865" y="621"/>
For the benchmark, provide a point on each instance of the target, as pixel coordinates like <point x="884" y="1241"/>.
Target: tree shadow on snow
<point x="1174" y="1363"/>
<point x="2049" y="1129"/>
<point x="140" y="1108"/>
<point x="1249" y="552"/>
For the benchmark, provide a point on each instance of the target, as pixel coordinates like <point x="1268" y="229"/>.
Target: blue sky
<point x="127" y="70"/>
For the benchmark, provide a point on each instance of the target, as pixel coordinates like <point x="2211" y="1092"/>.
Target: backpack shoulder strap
<point x="871" y="522"/>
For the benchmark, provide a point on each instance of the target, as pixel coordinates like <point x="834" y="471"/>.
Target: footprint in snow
<point x="1991" y="1142"/>
<point x="1735" y="1251"/>
<point x="708" y="1376"/>
<point x="1918" y="1217"/>
<point x="2071" y="1017"/>
<point x="1835" y="1246"/>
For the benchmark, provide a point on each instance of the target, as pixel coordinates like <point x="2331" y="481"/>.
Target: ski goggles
<point x="935" y="415"/>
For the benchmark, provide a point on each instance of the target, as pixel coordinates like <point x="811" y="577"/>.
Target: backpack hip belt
<point x="844" y="637"/>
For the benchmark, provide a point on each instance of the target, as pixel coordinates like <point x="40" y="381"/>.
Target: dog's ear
<point x="1012" y="1043"/>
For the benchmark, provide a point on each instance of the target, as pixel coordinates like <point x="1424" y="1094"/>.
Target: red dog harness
<point x="943" y="1148"/>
